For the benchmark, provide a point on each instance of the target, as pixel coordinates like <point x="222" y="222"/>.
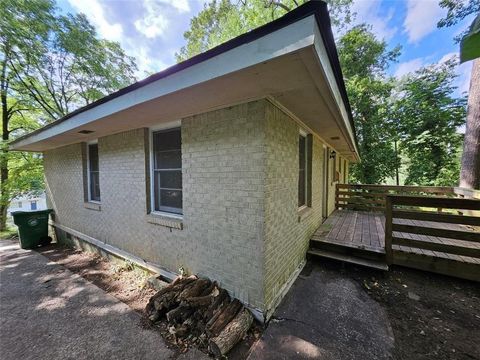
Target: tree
<point x="222" y="20"/>
<point x="364" y="61"/>
<point x="429" y="117"/>
<point x="470" y="169"/>
<point x="50" y="65"/>
<point x="23" y="25"/>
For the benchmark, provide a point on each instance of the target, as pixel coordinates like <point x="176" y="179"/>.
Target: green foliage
<point x="457" y="10"/>
<point x="428" y="118"/>
<point x="50" y="65"/>
<point x="364" y="62"/>
<point x="470" y="45"/>
<point x="70" y="69"/>
<point x="222" y="20"/>
<point x="8" y="233"/>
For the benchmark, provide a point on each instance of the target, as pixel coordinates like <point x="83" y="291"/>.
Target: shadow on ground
<point x="326" y="315"/>
<point x="47" y="312"/>
<point x="341" y="311"/>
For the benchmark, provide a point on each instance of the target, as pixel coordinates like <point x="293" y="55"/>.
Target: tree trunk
<point x="397" y="177"/>
<point x="470" y="173"/>
<point x="4" y="195"/>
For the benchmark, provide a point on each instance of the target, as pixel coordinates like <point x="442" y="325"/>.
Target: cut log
<point x="198" y="287"/>
<point x="199" y="301"/>
<point x="175" y="287"/>
<point x="217" y="312"/>
<point x="180" y="279"/>
<point x="166" y="301"/>
<point x="217" y="303"/>
<point x="231" y="334"/>
<point x="179" y="314"/>
<point x="224" y="318"/>
<point x="209" y="289"/>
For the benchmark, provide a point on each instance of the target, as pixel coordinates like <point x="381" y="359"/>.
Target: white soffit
<point x="288" y="39"/>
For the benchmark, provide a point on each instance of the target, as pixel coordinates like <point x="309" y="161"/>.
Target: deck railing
<point x="373" y="197"/>
<point x="426" y="227"/>
<point x="464" y="240"/>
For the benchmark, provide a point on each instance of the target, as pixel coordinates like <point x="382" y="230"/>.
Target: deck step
<point x="349" y="259"/>
<point x="319" y="241"/>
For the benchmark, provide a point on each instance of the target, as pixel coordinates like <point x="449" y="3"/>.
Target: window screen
<point x="302" y="170"/>
<point x="93" y="173"/>
<point x="167" y="171"/>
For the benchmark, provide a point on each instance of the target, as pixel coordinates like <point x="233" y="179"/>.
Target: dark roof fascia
<point x="318" y="8"/>
<point x="323" y="21"/>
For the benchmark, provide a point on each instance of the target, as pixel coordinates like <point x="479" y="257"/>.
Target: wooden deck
<point x="362" y="233"/>
<point x="357" y="229"/>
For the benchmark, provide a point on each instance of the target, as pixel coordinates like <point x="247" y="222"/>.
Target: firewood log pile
<point x="201" y="311"/>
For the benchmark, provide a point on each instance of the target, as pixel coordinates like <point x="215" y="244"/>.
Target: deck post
<point x="388" y="230"/>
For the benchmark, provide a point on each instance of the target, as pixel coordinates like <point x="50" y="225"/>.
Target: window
<point x="33" y="205"/>
<point x="304" y="169"/>
<point x="20" y="204"/>
<point x="93" y="173"/>
<point x="167" y="171"/>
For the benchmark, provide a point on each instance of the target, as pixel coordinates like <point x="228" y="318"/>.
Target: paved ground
<point x="326" y="316"/>
<point x="47" y="312"/>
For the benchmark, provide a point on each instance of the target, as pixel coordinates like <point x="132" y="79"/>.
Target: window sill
<point x="304" y="212"/>
<point x="92" y="206"/>
<point x="173" y="221"/>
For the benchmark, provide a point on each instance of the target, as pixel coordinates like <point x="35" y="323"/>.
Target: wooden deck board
<point x="361" y="229"/>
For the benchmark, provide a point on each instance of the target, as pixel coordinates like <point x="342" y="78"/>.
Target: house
<point x="28" y="202"/>
<point x="224" y="164"/>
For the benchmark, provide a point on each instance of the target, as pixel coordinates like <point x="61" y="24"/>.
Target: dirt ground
<point x="123" y="281"/>
<point x="432" y="316"/>
<point x="129" y="285"/>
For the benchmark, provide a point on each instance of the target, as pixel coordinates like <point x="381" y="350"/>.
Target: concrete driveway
<point x="47" y="312"/>
<point x="327" y="316"/>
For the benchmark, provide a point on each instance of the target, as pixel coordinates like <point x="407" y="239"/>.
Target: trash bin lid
<point x="28" y="213"/>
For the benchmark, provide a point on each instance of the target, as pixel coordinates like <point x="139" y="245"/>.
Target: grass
<point x="9" y="233"/>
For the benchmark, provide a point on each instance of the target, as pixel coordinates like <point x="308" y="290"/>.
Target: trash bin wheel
<point x="46" y="240"/>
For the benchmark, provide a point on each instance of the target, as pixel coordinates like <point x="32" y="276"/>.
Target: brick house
<point x="224" y="164"/>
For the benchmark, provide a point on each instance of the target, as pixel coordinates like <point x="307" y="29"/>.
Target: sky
<point x="152" y="30"/>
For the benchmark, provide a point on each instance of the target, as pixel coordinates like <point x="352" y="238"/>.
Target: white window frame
<point x="167" y="126"/>
<point x="304" y="134"/>
<point x="88" y="172"/>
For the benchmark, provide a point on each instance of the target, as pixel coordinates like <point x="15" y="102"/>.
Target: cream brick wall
<point x="223" y="181"/>
<point x="287" y="233"/>
<point x="241" y="224"/>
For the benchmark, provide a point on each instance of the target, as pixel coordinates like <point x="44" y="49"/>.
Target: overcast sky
<point x="152" y="30"/>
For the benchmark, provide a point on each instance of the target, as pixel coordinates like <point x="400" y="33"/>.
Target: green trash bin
<point x="32" y="227"/>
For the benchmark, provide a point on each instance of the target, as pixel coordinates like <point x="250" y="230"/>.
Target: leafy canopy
<point x="222" y="20"/>
<point x="429" y="117"/>
<point x="364" y="61"/>
<point x="50" y="65"/>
